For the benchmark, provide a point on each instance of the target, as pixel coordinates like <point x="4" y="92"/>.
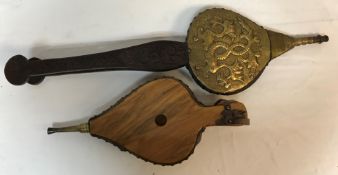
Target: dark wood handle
<point x="152" y="56"/>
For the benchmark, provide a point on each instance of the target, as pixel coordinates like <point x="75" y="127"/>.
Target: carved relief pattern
<point x="232" y="55"/>
<point x="225" y="50"/>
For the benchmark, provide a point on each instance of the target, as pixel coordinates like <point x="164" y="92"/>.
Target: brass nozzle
<point x="281" y="43"/>
<point x="83" y="128"/>
<point x="310" y="40"/>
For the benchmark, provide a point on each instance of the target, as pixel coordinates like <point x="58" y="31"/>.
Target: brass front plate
<point x="227" y="51"/>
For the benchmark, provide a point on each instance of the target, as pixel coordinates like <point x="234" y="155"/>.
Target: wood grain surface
<point x="160" y="121"/>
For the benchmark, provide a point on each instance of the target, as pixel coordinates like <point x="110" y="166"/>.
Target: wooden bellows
<point x="160" y="121"/>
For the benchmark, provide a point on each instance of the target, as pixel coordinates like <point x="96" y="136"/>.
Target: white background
<point x="293" y="106"/>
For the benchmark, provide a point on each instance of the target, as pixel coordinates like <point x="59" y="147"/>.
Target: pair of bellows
<point x="161" y="121"/>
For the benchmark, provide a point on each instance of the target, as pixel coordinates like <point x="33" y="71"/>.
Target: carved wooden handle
<point x="153" y="56"/>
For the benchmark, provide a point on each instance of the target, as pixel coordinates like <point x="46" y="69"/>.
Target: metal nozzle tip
<point x="50" y="131"/>
<point x="324" y="38"/>
<point x="84" y="127"/>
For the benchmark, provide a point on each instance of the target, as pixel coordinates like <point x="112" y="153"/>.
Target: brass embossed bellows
<point x="160" y="122"/>
<point x="224" y="51"/>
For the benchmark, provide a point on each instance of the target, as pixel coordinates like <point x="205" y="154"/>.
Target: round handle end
<point x="16" y="70"/>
